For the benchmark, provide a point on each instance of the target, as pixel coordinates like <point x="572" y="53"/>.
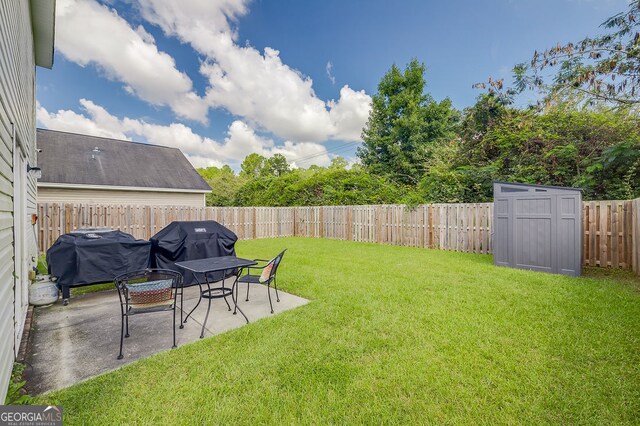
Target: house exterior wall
<point x="17" y="140"/>
<point x="105" y="196"/>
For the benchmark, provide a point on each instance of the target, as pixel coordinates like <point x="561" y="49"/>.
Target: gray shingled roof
<point x="70" y="158"/>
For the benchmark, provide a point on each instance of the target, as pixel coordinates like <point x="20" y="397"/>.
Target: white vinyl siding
<point x="106" y="196"/>
<point x="17" y="111"/>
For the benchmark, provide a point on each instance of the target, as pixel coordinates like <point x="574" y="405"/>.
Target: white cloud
<point x="349" y="113"/>
<point x="90" y="33"/>
<point x="240" y="141"/>
<point x="256" y="86"/>
<point x="206" y="25"/>
<point x="70" y="121"/>
<point x="198" y="161"/>
<point x="328" y="69"/>
<point x="304" y="154"/>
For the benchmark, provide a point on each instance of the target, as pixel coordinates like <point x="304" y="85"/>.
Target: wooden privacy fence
<point x="461" y="227"/>
<point x="611" y="228"/>
<point x="608" y="233"/>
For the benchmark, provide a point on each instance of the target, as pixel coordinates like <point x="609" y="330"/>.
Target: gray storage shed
<point x="538" y="227"/>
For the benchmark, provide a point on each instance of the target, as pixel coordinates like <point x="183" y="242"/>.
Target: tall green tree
<point x="224" y="185"/>
<point x="404" y="125"/>
<point x="338" y="163"/>
<point x="276" y="165"/>
<point x="252" y="166"/>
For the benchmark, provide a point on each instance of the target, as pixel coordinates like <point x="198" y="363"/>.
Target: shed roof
<point x="497" y="183"/>
<point x="74" y="159"/>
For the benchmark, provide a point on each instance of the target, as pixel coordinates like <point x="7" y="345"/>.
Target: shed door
<point x="534" y="232"/>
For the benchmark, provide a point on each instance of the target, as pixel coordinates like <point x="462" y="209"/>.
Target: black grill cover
<point x="180" y="241"/>
<point x="89" y="258"/>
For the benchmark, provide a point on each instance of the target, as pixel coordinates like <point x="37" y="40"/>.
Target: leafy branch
<point x="604" y="69"/>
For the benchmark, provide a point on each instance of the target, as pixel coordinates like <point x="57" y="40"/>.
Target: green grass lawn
<point x="395" y="335"/>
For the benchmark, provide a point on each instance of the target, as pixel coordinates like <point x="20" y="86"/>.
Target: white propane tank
<point x="43" y="291"/>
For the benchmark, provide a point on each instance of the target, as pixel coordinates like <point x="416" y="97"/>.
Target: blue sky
<point x="221" y="79"/>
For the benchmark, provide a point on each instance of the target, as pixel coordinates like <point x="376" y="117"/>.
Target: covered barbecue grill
<point x="95" y="256"/>
<point x="190" y="241"/>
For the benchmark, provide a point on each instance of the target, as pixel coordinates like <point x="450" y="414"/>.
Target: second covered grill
<point x="189" y="241"/>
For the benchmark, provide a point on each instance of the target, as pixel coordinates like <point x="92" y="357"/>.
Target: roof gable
<point x="71" y="158"/>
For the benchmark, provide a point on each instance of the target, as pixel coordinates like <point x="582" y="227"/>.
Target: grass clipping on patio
<point x="394" y="335"/>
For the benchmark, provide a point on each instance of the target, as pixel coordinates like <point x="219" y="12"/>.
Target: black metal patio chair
<point x="267" y="277"/>
<point x="147" y="291"/>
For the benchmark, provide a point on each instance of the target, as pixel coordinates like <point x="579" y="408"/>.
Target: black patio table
<point x="205" y="267"/>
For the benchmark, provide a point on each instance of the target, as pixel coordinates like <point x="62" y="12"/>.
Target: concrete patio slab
<point x="75" y="342"/>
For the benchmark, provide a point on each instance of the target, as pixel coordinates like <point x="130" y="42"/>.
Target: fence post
<point x="615" y="260"/>
<point x="295" y="221"/>
<point x="148" y="227"/>
<point x="67" y="218"/>
<point x="378" y="224"/>
<point x="255" y="236"/>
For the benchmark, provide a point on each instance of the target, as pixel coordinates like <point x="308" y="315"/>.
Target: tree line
<point x="583" y="131"/>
